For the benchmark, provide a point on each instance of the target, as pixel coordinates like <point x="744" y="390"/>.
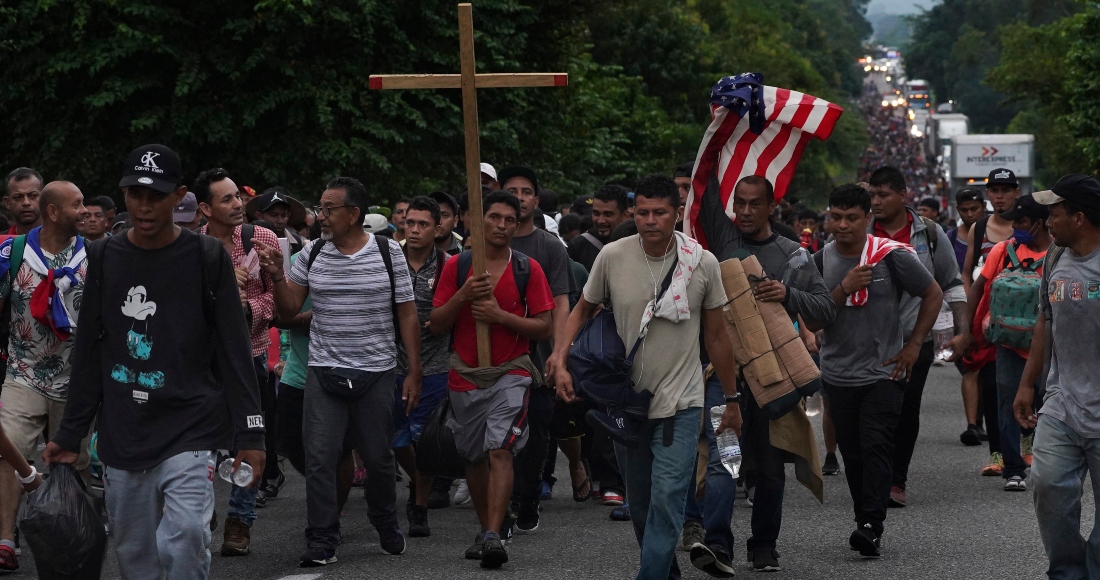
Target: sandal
<point x="8" y="560"/>
<point x="582" y="492"/>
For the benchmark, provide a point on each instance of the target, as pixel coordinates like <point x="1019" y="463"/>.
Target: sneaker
<point x="897" y="497"/>
<point x="8" y="560"/>
<point x="711" y="559"/>
<point x="547" y="492"/>
<point x="765" y="561"/>
<point x="693" y="534"/>
<point x="418" y="521"/>
<point x="866" y="542"/>
<point x="360" y="477"/>
<point x="506" y="527"/>
<point x="392" y="540"/>
<point x="612" y="498"/>
<point x="462" y="494"/>
<point x="474" y="551"/>
<point x="996" y="466"/>
<point x="315" y="557"/>
<point x="261" y="498"/>
<point x="1015" y="483"/>
<point x="493" y="554"/>
<point x="970" y="437"/>
<point x="621" y="513"/>
<point x="272" y="487"/>
<point x="439" y="497"/>
<point x="525" y="526"/>
<point x="237" y="538"/>
<point x="1025" y="448"/>
<point x="832" y="466"/>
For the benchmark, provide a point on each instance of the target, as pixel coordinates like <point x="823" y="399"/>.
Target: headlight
<point x="888" y="79"/>
<point x="867" y="69"/>
<point x="911" y="115"/>
<point x="886" y="103"/>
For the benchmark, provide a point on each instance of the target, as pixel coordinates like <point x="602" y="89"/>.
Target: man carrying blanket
<point x="42" y="279"/>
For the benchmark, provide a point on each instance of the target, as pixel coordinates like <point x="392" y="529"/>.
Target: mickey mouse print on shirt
<point x="139" y="343"/>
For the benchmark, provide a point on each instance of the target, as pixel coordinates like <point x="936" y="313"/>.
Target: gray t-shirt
<point x="667" y="363"/>
<point x="435" y="351"/>
<point x="1073" y="386"/>
<point x="547" y="249"/>
<point x="352" y="316"/>
<point x="861" y="338"/>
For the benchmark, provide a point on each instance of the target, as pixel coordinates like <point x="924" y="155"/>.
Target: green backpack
<point x="1014" y="302"/>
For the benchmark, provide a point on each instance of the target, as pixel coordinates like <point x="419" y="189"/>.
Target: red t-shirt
<point x="904" y="235"/>
<point x="506" y="345"/>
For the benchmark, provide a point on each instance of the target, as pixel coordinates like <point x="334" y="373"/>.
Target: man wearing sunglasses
<point x="361" y="297"/>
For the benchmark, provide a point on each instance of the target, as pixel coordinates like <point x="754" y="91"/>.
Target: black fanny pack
<point x="345" y="383"/>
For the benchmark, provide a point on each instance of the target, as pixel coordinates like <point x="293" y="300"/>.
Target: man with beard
<point x="447" y="240"/>
<point x="21" y="191"/>
<point x="608" y="211"/>
<point x="36" y="385"/>
<point x="220" y="201"/>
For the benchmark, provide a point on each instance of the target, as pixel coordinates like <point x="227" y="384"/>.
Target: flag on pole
<point x="754" y="130"/>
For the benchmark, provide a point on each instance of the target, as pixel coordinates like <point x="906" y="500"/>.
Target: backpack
<point x="521" y="271"/>
<point x="384" y="249"/>
<point x="1014" y="302"/>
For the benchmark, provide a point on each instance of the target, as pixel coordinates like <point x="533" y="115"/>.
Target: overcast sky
<point x="899" y="6"/>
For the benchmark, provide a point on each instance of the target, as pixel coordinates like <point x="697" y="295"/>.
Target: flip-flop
<point x="585" y="486"/>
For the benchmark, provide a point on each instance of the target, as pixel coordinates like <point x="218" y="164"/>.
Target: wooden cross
<point x="469" y="82"/>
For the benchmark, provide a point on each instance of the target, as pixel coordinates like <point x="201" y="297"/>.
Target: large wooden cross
<point x="469" y="82"/>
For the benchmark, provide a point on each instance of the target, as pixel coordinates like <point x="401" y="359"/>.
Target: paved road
<point x="958" y="525"/>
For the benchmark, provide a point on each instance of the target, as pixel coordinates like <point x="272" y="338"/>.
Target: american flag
<point x="874" y="251"/>
<point x="755" y="130"/>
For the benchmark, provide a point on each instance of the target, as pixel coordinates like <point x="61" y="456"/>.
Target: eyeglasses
<point x="327" y="211"/>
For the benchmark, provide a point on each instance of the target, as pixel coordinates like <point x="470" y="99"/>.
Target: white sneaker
<point x="462" y="494"/>
<point x="1015" y="483"/>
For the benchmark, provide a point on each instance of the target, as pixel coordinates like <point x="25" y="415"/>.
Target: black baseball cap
<point x="1080" y="189"/>
<point x="154" y="166"/>
<point x="517" y="171"/>
<point x="273" y="197"/>
<point x="582" y="204"/>
<point x="442" y="197"/>
<point x="1002" y="175"/>
<point x="1026" y="206"/>
<point x="968" y="194"/>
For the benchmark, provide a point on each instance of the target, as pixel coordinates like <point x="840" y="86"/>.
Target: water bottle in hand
<point x="242" y="477"/>
<point x="729" y="448"/>
<point x="814" y="405"/>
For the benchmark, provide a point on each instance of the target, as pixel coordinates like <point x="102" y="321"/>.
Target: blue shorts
<point x="407" y="429"/>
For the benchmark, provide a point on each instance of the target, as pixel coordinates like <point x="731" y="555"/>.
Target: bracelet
<point x="734" y="398"/>
<point x="29" y="479"/>
<point x="842" y="288"/>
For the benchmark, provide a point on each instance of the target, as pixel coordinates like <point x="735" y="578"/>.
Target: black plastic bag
<point x="436" y="452"/>
<point x="64" y="528"/>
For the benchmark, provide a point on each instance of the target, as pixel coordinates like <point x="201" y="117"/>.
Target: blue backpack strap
<point x="18" y="246"/>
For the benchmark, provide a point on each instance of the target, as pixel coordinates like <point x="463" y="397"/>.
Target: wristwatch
<point x="735" y="398"/>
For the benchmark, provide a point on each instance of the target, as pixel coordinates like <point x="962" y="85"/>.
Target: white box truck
<point x="974" y="156"/>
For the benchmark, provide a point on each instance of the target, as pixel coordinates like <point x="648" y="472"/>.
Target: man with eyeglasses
<point x="361" y="297"/>
<point x="21" y="191"/>
<point x="220" y="201"/>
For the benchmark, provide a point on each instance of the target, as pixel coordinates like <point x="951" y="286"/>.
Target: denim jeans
<point x="1010" y="367"/>
<point x="657" y="480"/>
<point x="160" y="517"/>
<point x="717" y="506"/>
<point x="242" y="500"/>
<point x="367" y="423"/>
<point x="1062" y="458"/>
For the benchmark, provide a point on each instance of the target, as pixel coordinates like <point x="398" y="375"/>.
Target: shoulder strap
<point x="977" y="236"/>
<point x="819" y="259"/>
<point x="1010" y="251"/>
<point x="593" y="240"/>
<point x="664" y="286"/>
<point x="440" y="261"/>
<point x="521" y="272"/>
<point x="932" y="234"/>
<point x="209" y="266"/>
<point x="18" y="245"/>
<point x="314" y="251"/>
<point x="247" y="232"/>
<point x="384" y="249"/>
<point x="465" y="262"/>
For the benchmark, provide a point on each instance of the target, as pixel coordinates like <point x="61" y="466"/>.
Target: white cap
<point x="489" y="170"/>
<point x="1047" y="197"/>
<point x="374" y="223"/>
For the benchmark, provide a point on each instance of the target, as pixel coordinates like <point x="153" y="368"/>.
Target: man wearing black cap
<point x="277" y="207"/>
<point x="1067" y="429"/>
<point x="1011" y="263"/>
<point x="161" y="313"/>
<point x="548" y="250"/>
<point x="447" y="240"/>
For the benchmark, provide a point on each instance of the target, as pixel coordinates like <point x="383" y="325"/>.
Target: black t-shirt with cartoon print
<point x="155" y="375"/>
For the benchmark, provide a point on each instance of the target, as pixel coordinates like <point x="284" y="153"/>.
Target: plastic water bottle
<point x="814" y="405"/>
<point x="942" y="333"/>
<point x="242" y="477"/>
<point x="729" y="448"/>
